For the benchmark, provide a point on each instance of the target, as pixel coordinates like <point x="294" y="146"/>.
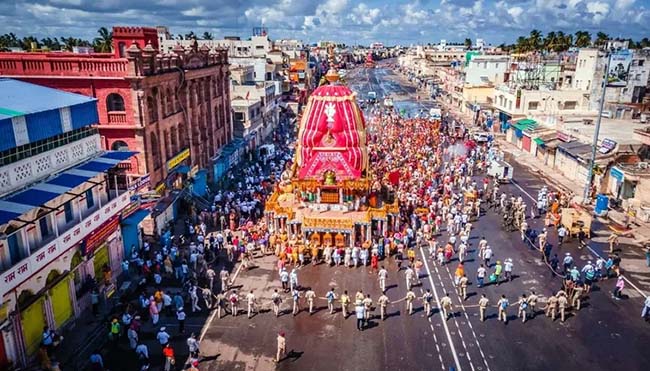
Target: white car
<point x="481" y="137"/>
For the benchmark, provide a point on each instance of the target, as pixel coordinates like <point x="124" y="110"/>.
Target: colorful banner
<point x="619" y="68"/>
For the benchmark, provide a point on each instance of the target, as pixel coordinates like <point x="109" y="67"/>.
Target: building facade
<point x="157" y="105"/>
<point x="60" y="204"/>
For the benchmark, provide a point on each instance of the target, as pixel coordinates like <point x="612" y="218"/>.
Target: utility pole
<point x="594" y="145"/>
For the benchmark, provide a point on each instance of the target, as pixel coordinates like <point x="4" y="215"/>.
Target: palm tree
<point x="549" y="41"/>
<point x="207" y="36"/>
<point x="601" y="39"/>
<point x="51" y="44"/>
<point x="468" y="43"/>
<point x="190" y="36"/>
<point x="583" y="39"/>
<point x="535" y="40"/>
<point x="522" y="45"/>
<point x="104" y="43"/>
<point x="29" y="43"/>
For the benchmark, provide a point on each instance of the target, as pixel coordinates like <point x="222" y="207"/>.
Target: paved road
<point x="604" y="335"/>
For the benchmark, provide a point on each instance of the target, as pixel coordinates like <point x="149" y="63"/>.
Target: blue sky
<point x="390" y="21"/>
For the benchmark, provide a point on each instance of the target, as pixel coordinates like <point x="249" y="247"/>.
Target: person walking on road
<point x="310" y="295"/>
<point x="170" y="358"/>
<point x="295" y="295"/>
<point x="507" y="269"/>
<point x="193" y="346"/>
<point x="383" y="302"/>
<point x="523" y="306"/>
<point x="481" y="272"/>
<point x="551" y="307"/>
<point x="250" y="301"/>
<point x="284" y="279"/>
<point x="282" y="347"/>
<point x="410" y="296"/>
<point x="618" y="289"/>
<point x="426" y="302"/>
<point x="345" y="302"/>
<point x="612" y="240"/>
<point x="163" y="336"/>
<point x="277" y="300"/>
<point x="446" y="305"/>
<point x="330" y="296"/>
<point x="408" y="275"/>
<point x="498" y="269"/>
<point x="646" y="308"/>
<point x="462" y="286"/>
<point x="180" y="316"/>
<point x="360" y="312"/>
<point x="503" y="307"/>
<point x="482" y="306"/>
<point x="532" y="302"/>
<point x="562" y="303"/>
<point x="383" y="275"/>
<point x="234" y="303"/>
<point x="293" y="280"/>
<point x="367" y="303"/>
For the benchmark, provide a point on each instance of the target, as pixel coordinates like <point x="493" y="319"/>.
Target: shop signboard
<point x="143" y="181"/>
<point x="607" y="146"/>
<point x="178" y="159"/>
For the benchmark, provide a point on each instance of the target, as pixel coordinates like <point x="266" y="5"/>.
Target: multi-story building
<point x="486" y="69"/>
<point x="61" y="198"/>
<point x="171" y="108"/>
<point x="257" y="46"/>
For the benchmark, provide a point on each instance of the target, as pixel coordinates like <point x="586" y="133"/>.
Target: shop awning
<point x="136" y="217"/>
<point x="46" y="191"/>
<point x="539" y="141"/>
<point x="525" y="124"/>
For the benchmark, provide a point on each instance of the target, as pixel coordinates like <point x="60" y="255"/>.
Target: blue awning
<point x="136" y="217"/>
<point x="43" y="192"/>
<point x="183" y="169"/>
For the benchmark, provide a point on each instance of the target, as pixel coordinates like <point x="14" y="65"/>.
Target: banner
<point x="619" y="68"/>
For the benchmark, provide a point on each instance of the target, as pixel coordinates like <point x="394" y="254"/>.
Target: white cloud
<point x="598" y="10"/>
<point x="515" y="11"/>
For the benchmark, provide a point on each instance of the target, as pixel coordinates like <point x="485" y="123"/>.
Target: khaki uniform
<point x="551" y="307"/>
<point x="345" y="301"/>
<point x="383" y="303"/>
<point x="445" y="303"/>
<point x="482" y="306"/>
<point x="562" y="303"/>
<point x="462" y="287"/>
<point x="310" y="295"/>
<point x="576" y="299"/>
<point x="367" y="303"/>
<point x="410" y="296"/>
<point x="532" y="301"/>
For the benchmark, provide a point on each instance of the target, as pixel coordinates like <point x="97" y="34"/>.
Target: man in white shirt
<point x="163" y="336"/>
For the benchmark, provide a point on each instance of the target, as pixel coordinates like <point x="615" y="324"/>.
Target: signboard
<point x="160" y="188"/>
<point x="40" y="258"/>
<point x="617" y="174"/>
<point x="143" y="181"/>
<point x="607" y="146"/>
<point x="178" y="159"/>
<point x="564" y="137"/>
<point x="619" y="68"/>
<point x="99" y="235"/>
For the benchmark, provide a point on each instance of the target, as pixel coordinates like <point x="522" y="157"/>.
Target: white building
<point x="60" y="207"/>
<point x="486" y="69"/>
<point x="256" y="46"/>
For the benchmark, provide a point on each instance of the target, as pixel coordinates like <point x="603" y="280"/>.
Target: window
<point x="570" y="105"/>
<point x="155" y="151"/>
<point x="69" y="216"/>
<point x="641" y="62"/>
<point x="239" y="116"/>
<point x="114" y="102"/>
<point x="533" y="105"/>
<point x="121" y="46"/>
<point x="152" y="108"/>
<point x="90" y="200"/>
<point x="14" y="248"/>
<point x="44" y="227"/>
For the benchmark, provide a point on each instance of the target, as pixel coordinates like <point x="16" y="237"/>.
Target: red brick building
<point x="161" y="105"/>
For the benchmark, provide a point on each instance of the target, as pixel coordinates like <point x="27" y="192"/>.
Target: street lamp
<point x="601" y="103"/>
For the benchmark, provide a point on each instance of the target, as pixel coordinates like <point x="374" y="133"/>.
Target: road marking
<point x="442" y="316"/>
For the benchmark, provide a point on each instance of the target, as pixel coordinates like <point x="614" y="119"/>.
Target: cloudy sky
<point x="358" y="21"/>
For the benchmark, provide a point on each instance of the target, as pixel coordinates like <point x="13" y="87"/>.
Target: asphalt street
<point x="604" y="335"/>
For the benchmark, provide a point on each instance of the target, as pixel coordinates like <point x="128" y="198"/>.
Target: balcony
<point x="117" y="117"/>
<point x="67" y="238"/>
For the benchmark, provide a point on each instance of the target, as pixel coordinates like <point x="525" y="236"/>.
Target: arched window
<point x="152" y="108"/>
<point x="155" y="151"/>
<point x="114" y="102"/>
<point x="182" y="136"/>
<point x="170" y="102"/>
<point x="173" y="136"/>
<point x="121" y="46"/>
<point x="120" y="145"/>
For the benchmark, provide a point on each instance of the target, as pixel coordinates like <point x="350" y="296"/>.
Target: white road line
<point x="442" y="316"/>
<point x="523" y="190"/>
<point x="589" y="247"/>
<point x="207" y="325"/>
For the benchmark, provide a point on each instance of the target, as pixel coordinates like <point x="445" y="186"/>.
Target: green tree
<point x="468" y="43"/>
<point x="522" y="45"/>
<point x="29" y="43"/>
<point x="582" y="39"/>
<point x="207" y="36"/>
<point x="104" y="42"/>
<point x="601" y="39"/>
<point x="535" y="40"/>
<point x="190" y="36"/>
